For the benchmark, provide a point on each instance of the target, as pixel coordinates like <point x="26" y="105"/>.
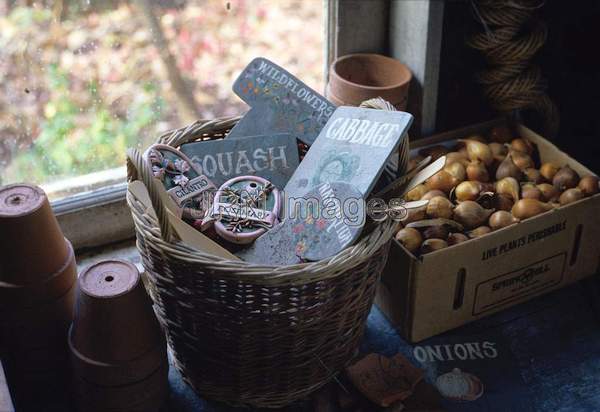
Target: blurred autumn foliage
<point x="81" y="82"/>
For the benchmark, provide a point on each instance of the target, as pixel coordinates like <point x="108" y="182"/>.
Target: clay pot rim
<point x="37" y="207"/>
<point x="389" y="60"/>
<point x="65" y="265"/>
<point x="116" y="365"/>
<point x="95" y="296"/>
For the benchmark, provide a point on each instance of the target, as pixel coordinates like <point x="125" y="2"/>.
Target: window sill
<point x="96" y="218"/>
<point x="125" y="250"/>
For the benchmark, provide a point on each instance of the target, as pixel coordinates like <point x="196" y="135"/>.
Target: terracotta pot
<point x="39" y="314"/>
<point x="35" y="350"/>
<point x="120" y="373"/>
<point x="32" y="246"/>
<point x="115" y="337"/>
<point x="144" y="396"/>
<point x="44" y="325"/>
<point x="355" y="78"/>
<point x="14" y="297"/>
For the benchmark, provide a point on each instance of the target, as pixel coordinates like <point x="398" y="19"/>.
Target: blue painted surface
<point x="548" y="356"/>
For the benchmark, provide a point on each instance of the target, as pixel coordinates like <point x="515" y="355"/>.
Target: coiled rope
<point x="511" y="37"/>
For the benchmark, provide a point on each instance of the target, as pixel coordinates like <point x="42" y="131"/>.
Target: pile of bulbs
<point x="486" y="185"/>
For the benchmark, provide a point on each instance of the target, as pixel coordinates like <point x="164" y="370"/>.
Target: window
<point x="82" y="81"/>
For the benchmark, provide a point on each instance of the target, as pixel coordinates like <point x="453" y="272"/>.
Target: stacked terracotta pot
<point x="37" y="278"/>
<point x="355" y="78"/>
<point x="118" y="349"/>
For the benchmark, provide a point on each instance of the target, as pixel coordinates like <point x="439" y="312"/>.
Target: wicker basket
<point x="248" y="334"/>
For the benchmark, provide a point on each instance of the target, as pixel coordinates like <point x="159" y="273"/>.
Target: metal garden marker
<point x="273" y="157"/>
<point x="244" y="208"/>
<point x="280" y="103"/>
<point x="188" y="187"/>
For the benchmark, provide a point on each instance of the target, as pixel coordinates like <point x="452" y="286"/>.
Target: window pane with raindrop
<point x="80" y="81"/>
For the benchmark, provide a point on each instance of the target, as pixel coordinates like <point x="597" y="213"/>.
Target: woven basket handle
<point x="138" y="169"/>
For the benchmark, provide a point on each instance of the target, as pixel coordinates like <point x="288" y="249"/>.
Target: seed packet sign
<point x="280" y="103"/>
<point x="326" y="228"/>
<point x="353" y="147"/>
<point x="273" y="157"/>
<point x="318" y="225"/>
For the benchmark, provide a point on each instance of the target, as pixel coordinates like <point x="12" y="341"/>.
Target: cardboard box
<point x="445" y="289"/>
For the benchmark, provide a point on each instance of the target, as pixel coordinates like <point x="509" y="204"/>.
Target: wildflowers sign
<point x="280" y="103"/>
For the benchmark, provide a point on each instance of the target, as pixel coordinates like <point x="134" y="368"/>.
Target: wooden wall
<point x="569" y="61"/>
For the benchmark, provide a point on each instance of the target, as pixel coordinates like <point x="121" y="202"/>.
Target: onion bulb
<point x="565" y="178"/>
<point x="439" y="207"/>
<point x="508" y="168"/>
<point x="589" y="185"/>
<point x="456" y="238"/>
<point x="501" y="219"/>
<point x="502" y="202"/>
<point x="433" y="193"/>
<point x="416" y="193"/>
<point x="526" y="208"/>
<point x="531" y="191"/>
<point x="478" y="232"/>
<point x="468" y="190"/>
<point x="549" y="192"/>
<point x="442" y="180"/>
<point x="477" y="171"/>
<point x="522" y="160"/>
<point x="431" y="245"/>
<point x="570" y="196"/>
<point x="456" y="157"/>
<point x="435" y="232"/>
<point x="457" y="170"/>
<point x="479" y="151"/>
<point x="471" y="214"/>
<point x="522" y="145"/>
<point x="509" y="187"/>
<point x="410" y="238"/>
<point x="548" y="170"/>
